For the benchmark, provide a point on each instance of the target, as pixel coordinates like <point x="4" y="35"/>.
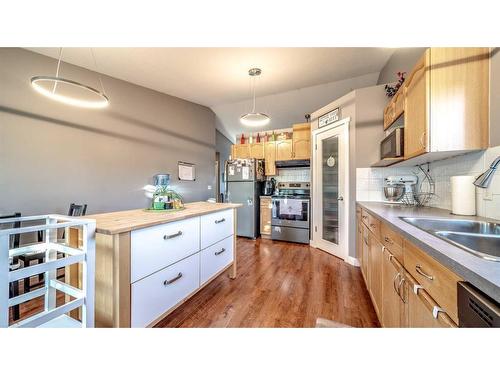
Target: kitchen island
<point x="148" y="263"/>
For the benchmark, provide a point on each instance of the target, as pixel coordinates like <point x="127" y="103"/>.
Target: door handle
<point x="220" y="251"/>
<point x="220" y="221"/>
<point x="169" y="236"/>
<point x="418" y="268"/>
<point x="167" y="282"/>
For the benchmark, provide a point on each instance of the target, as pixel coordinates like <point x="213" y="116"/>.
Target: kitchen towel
<point x="463" y="195"/>
<point x="292" y="207"/>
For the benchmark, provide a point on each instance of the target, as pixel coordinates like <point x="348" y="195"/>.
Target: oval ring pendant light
<point x="254" y="118"/>
<point x="98" y="99"/>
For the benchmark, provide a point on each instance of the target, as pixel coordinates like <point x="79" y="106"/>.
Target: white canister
<point x="463" y="195"/>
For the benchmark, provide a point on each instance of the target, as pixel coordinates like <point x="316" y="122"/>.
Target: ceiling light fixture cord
<point x="57" y="69"/>
<point x="98" y="74"/>
<point x="253" y="84"/>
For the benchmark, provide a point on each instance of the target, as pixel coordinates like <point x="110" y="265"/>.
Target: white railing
<point x="52" y="315"/>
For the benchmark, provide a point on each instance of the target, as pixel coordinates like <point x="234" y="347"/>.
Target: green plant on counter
<point x="165" y="192"/>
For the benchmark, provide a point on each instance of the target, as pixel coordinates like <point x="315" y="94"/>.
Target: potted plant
<point x="165" y="198"/>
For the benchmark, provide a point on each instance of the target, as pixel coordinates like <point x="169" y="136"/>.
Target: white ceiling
<point x="216" y="76"/>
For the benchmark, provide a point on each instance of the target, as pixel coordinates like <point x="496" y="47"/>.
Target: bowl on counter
<point x="394" y="193"/>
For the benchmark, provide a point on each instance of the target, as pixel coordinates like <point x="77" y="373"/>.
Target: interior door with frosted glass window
<point x="330" y="201"/>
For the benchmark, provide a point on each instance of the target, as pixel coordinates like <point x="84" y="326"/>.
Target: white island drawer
<point x="156" y="247"/>
<point x="215" y="258"/>
<point x="159" y="292"/>
<point x="215" y="227"/>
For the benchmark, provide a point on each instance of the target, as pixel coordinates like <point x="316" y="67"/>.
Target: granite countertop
<point x="482" y="273"/>
<point x="125" y="221"/>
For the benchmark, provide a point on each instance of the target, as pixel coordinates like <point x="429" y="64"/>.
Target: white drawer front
<point x="155" y="294"/>
<point x="156" y="247"/>
<point x="215" y="258"/>
<point x="215" y="227"/>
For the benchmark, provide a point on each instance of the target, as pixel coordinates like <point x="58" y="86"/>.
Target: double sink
<point x="480" y="238"/>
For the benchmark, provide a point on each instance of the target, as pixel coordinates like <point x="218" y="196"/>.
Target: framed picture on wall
<point x="186" y="171"/>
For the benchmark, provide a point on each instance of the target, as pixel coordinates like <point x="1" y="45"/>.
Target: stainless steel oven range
<point x="290" y="219"/>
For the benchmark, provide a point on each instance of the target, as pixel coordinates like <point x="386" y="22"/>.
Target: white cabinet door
<point x="215" y="258"/>
<point x="159" y="292"/>
<point x="215" y="227"/>
<point x="157" y="247"/>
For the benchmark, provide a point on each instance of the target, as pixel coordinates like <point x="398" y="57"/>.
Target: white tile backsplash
<point x="293" y="174"/>
<point x="369" y="181"/>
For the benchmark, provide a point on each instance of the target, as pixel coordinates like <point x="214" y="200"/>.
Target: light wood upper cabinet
<point x="416" y="109"/>
<point x="240" y="151"/>
<point x="399" y="102"/>
<point x="284" y="149"/>
<point x="301" y="139"/>
<point x="459" y="98"/>
<point x="270" y="158"/>
<point x="445" y="101"/>
<point x="257" y="150"/>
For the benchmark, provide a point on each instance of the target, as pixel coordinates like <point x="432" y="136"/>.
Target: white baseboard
<point x="352" y="261"/>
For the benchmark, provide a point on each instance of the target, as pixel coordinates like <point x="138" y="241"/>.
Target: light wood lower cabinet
<point x="421" y="309"/>
<point x="375" y="271"/>
<point x="408" y="288"/>
<point x="393" y="303"/>
<point x="265" y="217"/>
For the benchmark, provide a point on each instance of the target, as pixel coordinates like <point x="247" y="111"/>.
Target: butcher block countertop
<point x="125" y="221"/>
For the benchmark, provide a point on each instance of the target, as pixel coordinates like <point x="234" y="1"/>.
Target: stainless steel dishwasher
<point x="476" y="309"/>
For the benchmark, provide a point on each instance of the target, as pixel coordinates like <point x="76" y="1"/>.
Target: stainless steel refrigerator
<point x="244" y="179"/>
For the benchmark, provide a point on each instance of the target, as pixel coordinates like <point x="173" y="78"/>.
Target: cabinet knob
<point x="340" y="198"/>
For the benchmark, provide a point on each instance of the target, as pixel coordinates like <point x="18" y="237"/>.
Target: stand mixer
<point x="400" y="188"/>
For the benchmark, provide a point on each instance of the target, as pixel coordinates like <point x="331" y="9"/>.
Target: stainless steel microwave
<point x="392" y="146"/>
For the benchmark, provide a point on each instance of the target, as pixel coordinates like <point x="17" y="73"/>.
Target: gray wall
<point x="402" y="60"/>
<point x="287" y="108"/>
<point x="223" y="146"/>
<point x="53" y="154"/>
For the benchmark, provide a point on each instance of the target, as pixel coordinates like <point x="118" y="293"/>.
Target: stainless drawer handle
<point x="170" y="236"/>
<point x="418" y="268"/>
<point x="220" y="251"/>
<point x="220" y="221"/>
<point x="399" y="288"/>
<point x="167" y="282"/>
<point x="394" y="283"/>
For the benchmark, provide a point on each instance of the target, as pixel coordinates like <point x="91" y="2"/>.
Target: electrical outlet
<point x="209" y="187"/>
<point x="487" y="195"/>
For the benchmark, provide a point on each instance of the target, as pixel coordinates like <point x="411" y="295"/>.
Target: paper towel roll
<point x="463" y="195"/>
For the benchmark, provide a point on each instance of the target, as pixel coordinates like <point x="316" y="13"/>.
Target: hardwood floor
<point x="279" y="284"/>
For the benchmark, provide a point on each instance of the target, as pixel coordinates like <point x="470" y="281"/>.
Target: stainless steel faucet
<point x="483" y="181"/>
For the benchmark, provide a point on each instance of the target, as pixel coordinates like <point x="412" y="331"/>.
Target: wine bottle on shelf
<point x="258" y="138"/>
<point x="250" y="138"/>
